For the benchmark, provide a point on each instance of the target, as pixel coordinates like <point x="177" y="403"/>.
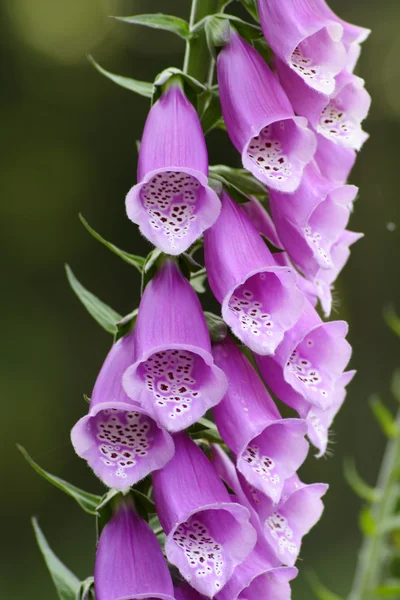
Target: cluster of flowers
<point x="297" y="129"/>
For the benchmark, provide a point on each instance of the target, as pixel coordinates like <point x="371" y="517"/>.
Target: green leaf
<point x="357" y="484"/>
<point x="160" y="21"/>
<point x="197" y="281"/>
<point x="392" y="319"/>
<point x="193" y="87"/>
<point x="216" y="326"/>
<point x="367" y="522"/>
<point x="132" y="259"/>
<point x="241" y="179"/>
<point x="251" y="7"/>
<point x="319" y="589"/>
<point x="86" y="591"/>
<point x="66" y="583"/>
<point x="210" y="114"/>
<point x="218" y="32"/>
<point x="106" y="316"/>
<point x="143" y="504"/>
<point x="143" y="88"/>
<point x="87" y="501"/>
<point x="249" y="31"/>
<point x="126" y="324"/>
<point x="384" y="417"/>
<point x="150" y="267"/>
<point x="104" y="509"/>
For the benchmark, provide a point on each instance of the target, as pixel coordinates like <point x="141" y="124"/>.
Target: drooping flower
<point x="318" y="420"/>
<point x="268" y="449"/>
<point x="208" y="534"/>
<point x="260" y="300"/>
<point x="274" y="143"/>
<point x="283" y="525"/>
<point x="308" y="37"/>
<point x="312" y="358"/>
<point x="129" y="560"/>
<point x="312" y="219"/>
<point x="337" y="116"/>
<point x="118" y="439"/>
<point x="172" y="203"/>
<point x="173" y="375"/>
<point x="335" y="162"/>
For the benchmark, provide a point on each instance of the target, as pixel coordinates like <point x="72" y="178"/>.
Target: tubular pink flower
<point x="185" y="592"/>
<point x="117" y="438"/>
<point x="312" y="219"/>
<point x="275" y="144"/>
<point x="268" y="449"/>
<point x="173" y="375"/>
<point x="335" y="162"/>
<point x="208" y="535"/>
<point x="306" y="38"/>
<point x="129" y="562"/>
<point x="283" y="525"/>
<point x="260" y="300"/>
<point x="172" y="203"/>
<point x="338" y="116"/>
<point x="312" y="358"/>
<point x="318" y="420"/>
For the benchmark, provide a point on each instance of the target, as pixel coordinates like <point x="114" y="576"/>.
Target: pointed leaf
<point x="197" y="281"/>
<point x="241" y="179"/>
<point x="86" y="591"/>
<point x="87" y="501"/>
<point x="160" y="21"/>
<point x="251" y="6"/>
<point x="150" y="267"/>
<point x="104" y="509"/>
<point x="143" y="88"/>
<point x="210" y="113"/>
<point x="357" y="484"/>
<point x="106" y="316"/>
<point x="126" y="324"/>
<point x="218" y="32"/>
<point x="132" y="259"/>
<point x="384" y="417"/>
<point x="319" y="589"/>
<point x="249" y="31"/>
<point x="66" y="583"/>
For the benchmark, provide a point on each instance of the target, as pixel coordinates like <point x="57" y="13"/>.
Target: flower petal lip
<point x="192" y="500"/>
<point x="268" y="449"/>
<point x="235" y="254"/>
<point x="173" y="369"/>
<point x="274" y="143"/>
<point x="129" y="562"/>
<point x="172" y="202"/>
<point x="301" y="26"/>
<point x="87" y="447"/>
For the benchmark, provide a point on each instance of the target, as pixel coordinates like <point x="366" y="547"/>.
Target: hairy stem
<point x="372" y="556"/>
<point x="197" y="56"/>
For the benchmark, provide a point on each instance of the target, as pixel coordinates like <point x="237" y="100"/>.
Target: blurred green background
<point x="69" y="146"/>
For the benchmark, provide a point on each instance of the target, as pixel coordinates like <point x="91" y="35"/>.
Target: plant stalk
<point x="372" y="555"/>
<point x="197" y="56"/>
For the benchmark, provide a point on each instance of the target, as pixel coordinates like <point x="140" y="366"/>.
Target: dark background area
<point x="69" y="146"/>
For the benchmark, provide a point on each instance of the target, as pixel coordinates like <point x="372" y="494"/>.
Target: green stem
<point x="197" y="56"/>
<point x="372" y="556"/>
